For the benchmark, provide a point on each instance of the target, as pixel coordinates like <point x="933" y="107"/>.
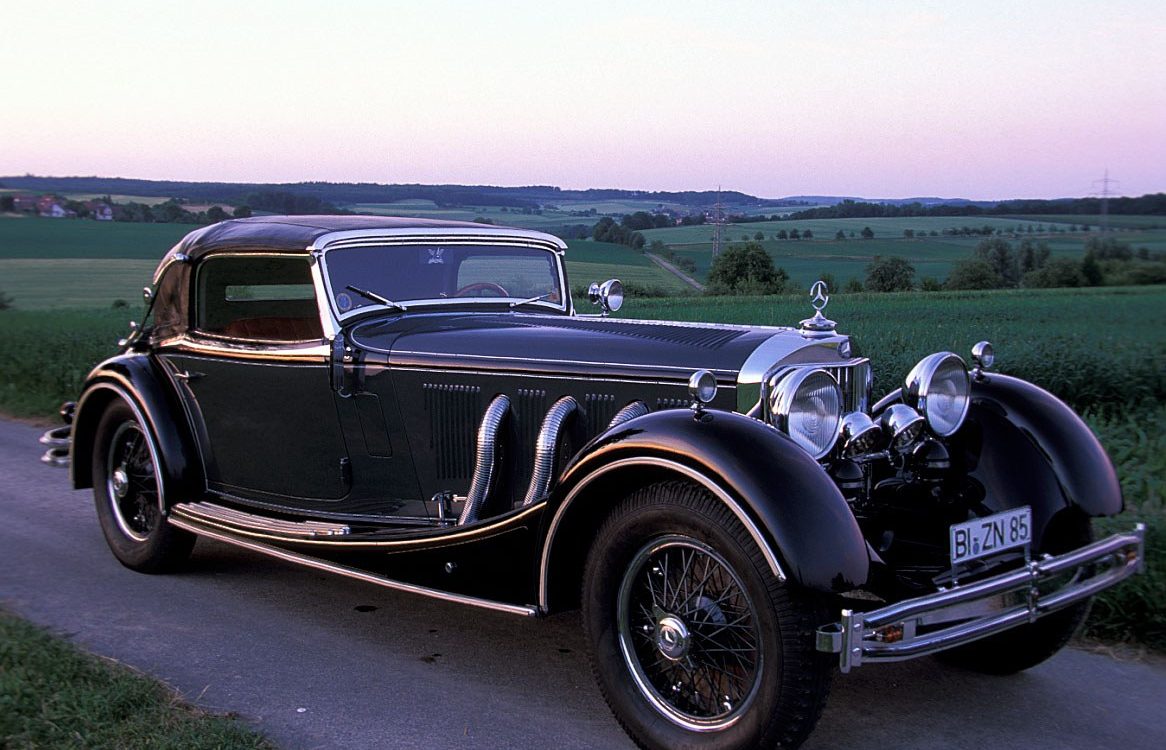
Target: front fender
<point x="138" y="380"/>
<point x="794" y="506"/>
<point x="1027" y="447"/>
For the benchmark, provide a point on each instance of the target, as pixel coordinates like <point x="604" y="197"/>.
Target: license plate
<point x="990" y="534"/>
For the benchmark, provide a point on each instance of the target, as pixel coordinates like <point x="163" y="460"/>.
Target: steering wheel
<point x="480" y="286"/>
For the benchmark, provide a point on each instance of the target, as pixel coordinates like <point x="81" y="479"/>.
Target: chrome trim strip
<point x="696" y="476"/>
<point x="421" y="233"/>
<point x="206" y="512"/>
<point x="344" y="570"/>
<point x="449" y="236"/>
<point x="723" y="374"/>
<point x="557" y="376"/>
<point x="438" y="536"/>
<point x="975" y="609"/>
<point x="314" y="353"/>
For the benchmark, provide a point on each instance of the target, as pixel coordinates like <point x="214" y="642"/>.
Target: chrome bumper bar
<point x="959" y="615"/>
<point x="57" y="440"/>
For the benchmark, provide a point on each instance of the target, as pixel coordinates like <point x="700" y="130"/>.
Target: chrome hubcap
<point x="672" y="637"/>
<point x="132" y="483"/>
<point x="121" y="483"/>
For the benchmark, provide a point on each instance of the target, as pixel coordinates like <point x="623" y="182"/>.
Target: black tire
<point x="728" y="659"/>
<point x="1023" y="648"/>
<point x="128" y="491"/>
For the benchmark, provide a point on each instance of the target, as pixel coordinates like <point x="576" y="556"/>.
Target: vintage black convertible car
<point x="420" y="405"/>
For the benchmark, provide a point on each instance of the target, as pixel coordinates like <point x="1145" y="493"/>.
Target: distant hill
<point x="339" y="195"/>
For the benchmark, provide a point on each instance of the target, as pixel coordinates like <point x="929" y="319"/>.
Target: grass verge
<point x="54" y="695"/>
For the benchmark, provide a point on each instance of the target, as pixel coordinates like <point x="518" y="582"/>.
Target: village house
<point x="50" y="207"/>
<point x="99" y="210"/>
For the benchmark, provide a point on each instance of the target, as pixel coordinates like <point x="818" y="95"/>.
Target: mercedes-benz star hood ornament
<point x="818" y="326"/>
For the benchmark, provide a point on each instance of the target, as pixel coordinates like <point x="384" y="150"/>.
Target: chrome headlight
<point x="939" y="387"/>
<point x="806" y="404"/>
<point x="859" y="434"/>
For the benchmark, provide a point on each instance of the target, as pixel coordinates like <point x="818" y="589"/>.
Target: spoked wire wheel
<point x="128" y="489"/>
<point x="688" y="633"/>
<point x="132" y="482"/>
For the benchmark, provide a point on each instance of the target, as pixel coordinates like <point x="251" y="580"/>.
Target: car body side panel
<point x="785" y="491"/>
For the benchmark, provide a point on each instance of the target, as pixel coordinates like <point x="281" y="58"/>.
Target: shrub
<point x="974" y="274"/>
<point x="892" y="274"/>
<point x="745" y="269"/>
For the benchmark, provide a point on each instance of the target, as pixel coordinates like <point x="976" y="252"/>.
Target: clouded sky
<point x="879" y="99"/>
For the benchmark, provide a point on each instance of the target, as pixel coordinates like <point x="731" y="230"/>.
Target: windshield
<point x="381" y="276"/>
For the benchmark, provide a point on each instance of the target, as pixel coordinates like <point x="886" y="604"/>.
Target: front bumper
<point x="962" y="614"/>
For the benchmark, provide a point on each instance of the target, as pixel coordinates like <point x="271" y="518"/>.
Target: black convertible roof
<point x="296" y="233"/>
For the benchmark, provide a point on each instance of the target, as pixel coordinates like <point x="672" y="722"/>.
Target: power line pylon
<point x="718" y="223"/>
<point x="1104" y="184"/>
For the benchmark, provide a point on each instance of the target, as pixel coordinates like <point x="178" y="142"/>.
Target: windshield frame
<point x="501" y="237"/>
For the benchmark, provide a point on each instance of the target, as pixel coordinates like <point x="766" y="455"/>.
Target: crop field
<point x="74" y="282"/>
<point x="1119" y="221"/>
<point x="806" y="260"/>
<point x="546" y="221"/>
<point x="39" y="238"/>
<point x="589" y="261"/>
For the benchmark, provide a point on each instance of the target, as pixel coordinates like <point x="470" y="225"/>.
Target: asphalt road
<point x="317" y="661"/>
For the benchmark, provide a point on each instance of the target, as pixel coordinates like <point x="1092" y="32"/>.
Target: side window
<point x="263" y="298"/>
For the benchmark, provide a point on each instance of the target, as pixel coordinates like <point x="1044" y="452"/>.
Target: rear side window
<point x="261" y="298"/>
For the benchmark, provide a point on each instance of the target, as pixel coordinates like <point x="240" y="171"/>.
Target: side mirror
<point x="609" y="294"/>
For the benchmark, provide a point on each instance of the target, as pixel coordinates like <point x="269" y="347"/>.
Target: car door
<point x="254" y="373"/>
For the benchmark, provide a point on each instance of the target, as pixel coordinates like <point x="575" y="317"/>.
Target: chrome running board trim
<point x="229" y="518"/>
<point x="344" y="570"/>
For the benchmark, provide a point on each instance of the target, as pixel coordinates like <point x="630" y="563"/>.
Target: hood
<point x="564" y="345"/>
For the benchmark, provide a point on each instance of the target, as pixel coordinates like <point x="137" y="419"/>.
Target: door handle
<point x="187" y="376"/>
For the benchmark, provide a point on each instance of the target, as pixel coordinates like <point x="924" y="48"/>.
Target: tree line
<point x="1149" y="204"/>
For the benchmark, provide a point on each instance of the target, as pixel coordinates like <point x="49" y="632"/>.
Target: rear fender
<point x="139" y="381"/>
<point x="783" y="497"/>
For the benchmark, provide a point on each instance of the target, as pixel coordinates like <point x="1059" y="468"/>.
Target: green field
<point x="1120" y="221"/>
<point x="73" y="263"/>
<point x="35" y="237"/>
<point x="806" y="260"/>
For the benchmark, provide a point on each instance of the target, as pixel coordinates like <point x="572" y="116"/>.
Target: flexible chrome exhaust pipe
<point x="544" y="452"/>
<point x="631" y="411"/>
<point x="486" y="459"/>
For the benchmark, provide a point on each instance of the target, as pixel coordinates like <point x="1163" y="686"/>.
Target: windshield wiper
<point x="375" y="297"/>
<point x="516" y="303"/>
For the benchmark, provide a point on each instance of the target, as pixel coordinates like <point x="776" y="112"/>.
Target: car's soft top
<point x="295" y="233"/>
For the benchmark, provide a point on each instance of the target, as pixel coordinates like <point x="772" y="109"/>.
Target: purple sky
<point x="879" y="99"/>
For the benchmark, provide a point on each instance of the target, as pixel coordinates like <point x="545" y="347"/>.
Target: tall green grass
<point x="45" y="356"/>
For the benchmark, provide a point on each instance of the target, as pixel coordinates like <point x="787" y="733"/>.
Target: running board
<point x="230" y="519"/>
<point x="190" y="524"/>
